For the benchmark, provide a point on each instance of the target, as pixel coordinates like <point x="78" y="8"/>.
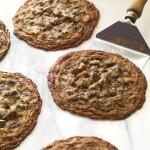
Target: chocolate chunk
<point x="2" y="123"/>
<point x="11" y="115"/>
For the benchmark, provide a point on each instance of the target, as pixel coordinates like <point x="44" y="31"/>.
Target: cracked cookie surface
<point x="81" y="143"/>
<point x="4" y="40"/>
<point x="55" y="24"/>
<point x="97" y="84"/>
<point x="20" y="106"/>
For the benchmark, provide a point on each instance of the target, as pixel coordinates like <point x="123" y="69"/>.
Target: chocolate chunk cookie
<point x="97" y="84"/>
<point x="4" y="40"/>
<point x="55" y="24"/>
<point x="20" y="106"/>
<point x="81" y="143"/>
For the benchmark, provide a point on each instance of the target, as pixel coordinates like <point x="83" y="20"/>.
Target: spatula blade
<point x="126" y="35"/>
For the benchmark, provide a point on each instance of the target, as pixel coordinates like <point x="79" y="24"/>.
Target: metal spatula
<point x="125" y="33"/>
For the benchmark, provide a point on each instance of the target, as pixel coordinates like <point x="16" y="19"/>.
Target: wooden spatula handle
<point x="135" y="10"/>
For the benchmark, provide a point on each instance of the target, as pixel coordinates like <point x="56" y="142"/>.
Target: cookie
<point x="20" y="106"/>
<point x="55" y="24"/>
<point x="81" y="143"/>
<point x="4" y="40"/>
<point x="97" y="84"/>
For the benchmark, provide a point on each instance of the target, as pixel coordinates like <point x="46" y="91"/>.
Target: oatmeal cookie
<point x="97" y="84"/>
<point x="20" y="105"/>
<point x="81" y="143"/>
<point x="55" y="24"/>
<point x="4" y="40"/>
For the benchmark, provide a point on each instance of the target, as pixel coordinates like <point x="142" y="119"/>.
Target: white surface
<point x="53" y="123"/>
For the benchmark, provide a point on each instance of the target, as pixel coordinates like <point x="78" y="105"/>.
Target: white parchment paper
<point x="54" y="123"/>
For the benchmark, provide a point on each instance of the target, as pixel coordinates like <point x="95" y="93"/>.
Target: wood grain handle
<point x="135" y="10"/>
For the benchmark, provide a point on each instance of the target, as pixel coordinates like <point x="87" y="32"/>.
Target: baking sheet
<point x="54" y="123"/>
